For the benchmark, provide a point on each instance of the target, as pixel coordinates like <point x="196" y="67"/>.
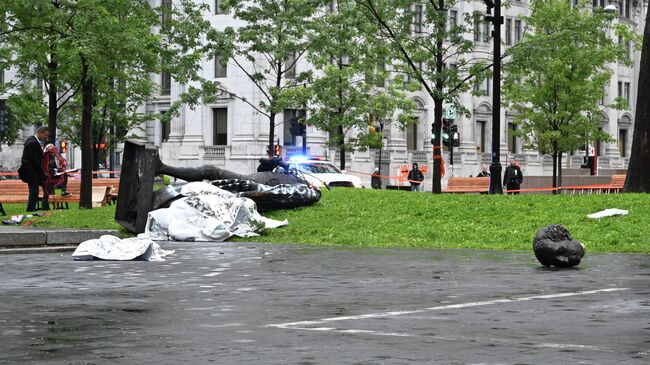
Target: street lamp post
<point x="495" y="167"/>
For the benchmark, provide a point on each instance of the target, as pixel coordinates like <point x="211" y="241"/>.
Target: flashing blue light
<point x="298" y="158"/>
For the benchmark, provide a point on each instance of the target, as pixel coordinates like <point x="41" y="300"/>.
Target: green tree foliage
<point x="266" y="48"/>
<point x="30" y="32"/>
<point x="352" y="88"/>
<point x="436" y="55"/>
<point x="104" y="54"/>
<point x="556" y="78"/>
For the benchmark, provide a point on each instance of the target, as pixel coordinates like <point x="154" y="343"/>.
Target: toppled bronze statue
<point x="554" y="246"/>
<point x="141" y="163"/>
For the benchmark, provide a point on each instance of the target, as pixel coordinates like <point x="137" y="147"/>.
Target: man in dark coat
<point x="31" y="167"/>
<point x="513" y="177"/>
<point x="415" y="177"/>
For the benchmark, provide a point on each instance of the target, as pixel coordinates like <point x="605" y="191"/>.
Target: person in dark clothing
<point x="415" y="177"/>
<point x="484" y="171"/>
<point x="513" y="177"/>
<point x="31" y="167"/>
<point x="375" y="180"/>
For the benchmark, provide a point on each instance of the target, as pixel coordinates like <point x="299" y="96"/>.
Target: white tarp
<point x="607" y="213"/>
<point x="109" y="247"/>
<point x="207" y="213"/>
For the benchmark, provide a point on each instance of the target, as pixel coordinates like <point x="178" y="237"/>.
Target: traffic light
<point x="446" y="132"/>
<point x="433" y="134"/>
<point x="64" y="147"/>
<point x="277" y="150"/>
<point x="455" y="136"/>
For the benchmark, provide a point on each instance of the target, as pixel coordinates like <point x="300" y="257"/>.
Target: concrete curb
<point x="28" y="240"/>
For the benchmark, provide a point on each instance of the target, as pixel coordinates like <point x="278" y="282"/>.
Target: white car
<point x="320" y="173"/>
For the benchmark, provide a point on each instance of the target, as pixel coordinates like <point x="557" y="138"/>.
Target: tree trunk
<point x="436" y="187"/>
<point x="559" y="170"/>
<point x="638" y="173"/>
<point x="554" y="179"/>
<point x="437" y="153"/>
<point x="85" y="197"/>
<point x="52" y="107"/>
<point x="270" y="151"/>
<point x="341" y="145"/>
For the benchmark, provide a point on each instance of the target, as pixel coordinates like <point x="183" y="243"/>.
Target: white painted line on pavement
<point x="301" y="324"/>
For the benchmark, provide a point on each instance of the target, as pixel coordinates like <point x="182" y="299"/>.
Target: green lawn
<point x="403" y="219"/>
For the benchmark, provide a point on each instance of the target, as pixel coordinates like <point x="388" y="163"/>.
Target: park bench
<point x="615" y="185"/>
<point x="13" y="192"/>
<point x="468" y="185"/>
<point x="104" y="192"/>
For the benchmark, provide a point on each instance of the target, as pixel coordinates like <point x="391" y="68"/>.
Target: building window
<point x="622" y="141"/>
<point x="293" y="128"/>
<point x="166" y="13"/>
<point x="627" y="9"/>
<point x="217" y="7"/>
<point x="166" y="129"/>
<point x="381" y="73"/>
<point x="479" y="133"/>
<point x="220" y="126"/>
<point x="620" y="89"/>
<point x="483" y="87"/>
<point x="486" y="32"/>
<point x="599" y="4"/>
<point x="628" y="49"/>
<point x="2" y="76"/>
<point x="412" y="136"/>
<point x="518" y="31"/>
<point x="453" y="19"/>
<point x="290" y="66"/>
<point x="508" y="31"/>
<point x="165" y="83"/>
<point x="220" y="67"/>
<point x="477" y="27"/>
<point x="3" y="115"/>
<point x="626" y="91"/>
<point x="512" y="140"/>
<point x="417" y="19"/>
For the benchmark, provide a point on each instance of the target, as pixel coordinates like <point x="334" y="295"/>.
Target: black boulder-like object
<point x="554" y="246"/>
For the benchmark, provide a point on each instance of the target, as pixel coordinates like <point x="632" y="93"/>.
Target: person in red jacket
<point x="54" y="166"/>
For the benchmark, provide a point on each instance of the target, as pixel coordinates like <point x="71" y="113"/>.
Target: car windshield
<point x="319" y="168"/>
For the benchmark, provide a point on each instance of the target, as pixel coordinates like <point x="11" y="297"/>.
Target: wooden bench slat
<point x="468" y="185"/>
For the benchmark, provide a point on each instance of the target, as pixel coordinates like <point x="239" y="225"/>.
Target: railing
<point x="348" y="155"/>
<point x="419" y="156"/>
<point x="294" y="150"/>
<point x="214" y="152"/>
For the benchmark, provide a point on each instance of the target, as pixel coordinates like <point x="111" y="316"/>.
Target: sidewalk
<point x="16" y="239"/>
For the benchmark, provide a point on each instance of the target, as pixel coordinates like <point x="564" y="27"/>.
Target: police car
<point x="321" y="173"/>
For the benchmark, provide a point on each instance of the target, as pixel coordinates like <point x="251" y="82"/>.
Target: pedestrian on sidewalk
<point x="375" y="180"/>
<point x="31" y="167"/>
<point x="415" y="177"/>
<point x="513" y="177"/>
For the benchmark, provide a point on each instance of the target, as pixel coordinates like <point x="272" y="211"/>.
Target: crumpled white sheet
<point x="207" y="213"/>
<point x="109" y="247"/>
<point x="607" y="213"/>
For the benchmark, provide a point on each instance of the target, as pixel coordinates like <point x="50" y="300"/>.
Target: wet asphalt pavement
<point x="237" y="303"/>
